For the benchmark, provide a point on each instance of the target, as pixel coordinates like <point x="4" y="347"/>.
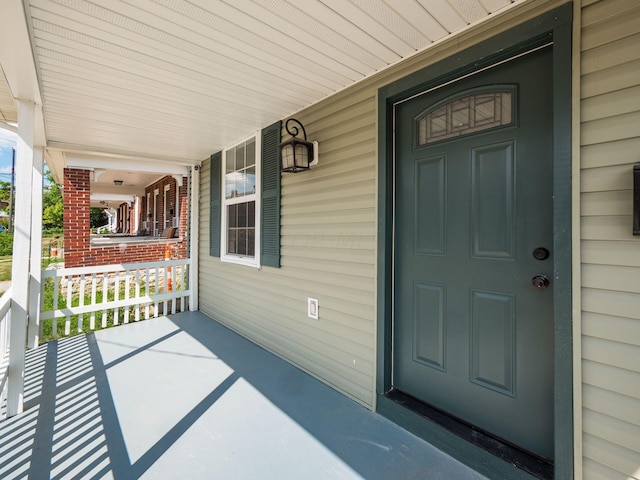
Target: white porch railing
<point x="5" y="330"/>
<point x="108" y="295"/>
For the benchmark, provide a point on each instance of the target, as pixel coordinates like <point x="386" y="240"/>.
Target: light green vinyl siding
<point x="328" y="231"/>
<point x="328" y="237"/>
<point x="610" y="145"/>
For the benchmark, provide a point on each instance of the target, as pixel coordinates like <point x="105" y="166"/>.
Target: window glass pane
<point x="232" y="216"/>
<point x="230" y="190"/>
<point x="242" y="215"/>
<point x="242" y="241"/>
<point x="248" y="183"/>
<point x="232" y="241"/>
<point x="251" y="153"/>
<point x="251" y="242"/>
<point x="239" y="157"/>
<point x="251" y="220"/>
<point x="251" y="179"/>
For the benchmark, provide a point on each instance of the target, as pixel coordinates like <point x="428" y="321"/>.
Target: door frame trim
<point x="553" y="26"/>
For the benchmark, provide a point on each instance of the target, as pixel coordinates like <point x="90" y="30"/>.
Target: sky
<point x="7" y="140"/>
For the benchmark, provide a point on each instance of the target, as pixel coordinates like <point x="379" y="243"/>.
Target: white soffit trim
<point x="105" y="163"/>
<point x="112" y="197"/>
<point x="124" y="191"/>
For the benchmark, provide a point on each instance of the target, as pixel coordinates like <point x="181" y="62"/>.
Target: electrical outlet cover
<point x="312" y="308"/>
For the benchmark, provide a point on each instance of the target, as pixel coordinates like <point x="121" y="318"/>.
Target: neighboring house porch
<point x="150" y="215"/>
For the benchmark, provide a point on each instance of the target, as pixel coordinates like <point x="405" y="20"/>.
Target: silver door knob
<point x="540" y="281"/>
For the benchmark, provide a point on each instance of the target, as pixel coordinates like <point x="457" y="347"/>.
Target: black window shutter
<point x="270" y="217"/>
<point x="215" y="204"/>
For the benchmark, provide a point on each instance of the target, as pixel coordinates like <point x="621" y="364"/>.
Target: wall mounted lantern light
<point x="297" y="154"/>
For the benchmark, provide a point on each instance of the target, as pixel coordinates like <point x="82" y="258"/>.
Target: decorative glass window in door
<point x="467" y="113"/>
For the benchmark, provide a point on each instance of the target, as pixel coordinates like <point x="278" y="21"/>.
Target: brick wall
<point x="77" y="247"/>
<point x="127" y="253"/>
<point x="173" y="190"/>
<point x="75" y="196"/>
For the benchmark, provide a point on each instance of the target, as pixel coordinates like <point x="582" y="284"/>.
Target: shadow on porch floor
<point x="184" y="397"/>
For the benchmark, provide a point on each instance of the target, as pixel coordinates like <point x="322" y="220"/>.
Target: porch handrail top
<point x="5" y="303"/>
<point x="117" y="267"/>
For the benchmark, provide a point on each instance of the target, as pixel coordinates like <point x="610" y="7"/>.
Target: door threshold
<point x="534" y="465"/>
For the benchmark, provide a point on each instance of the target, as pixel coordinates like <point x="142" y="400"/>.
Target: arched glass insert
<point x="467" y="113"/>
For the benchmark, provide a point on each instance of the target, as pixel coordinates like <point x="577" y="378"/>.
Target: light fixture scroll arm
<point x="293" y="130"/>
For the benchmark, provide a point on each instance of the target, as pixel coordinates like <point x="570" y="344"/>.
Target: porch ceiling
<point x="8" y="111"/>
<point x="178" y="80"/>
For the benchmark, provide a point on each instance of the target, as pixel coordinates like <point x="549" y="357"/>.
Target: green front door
<point x="473" y="259"/>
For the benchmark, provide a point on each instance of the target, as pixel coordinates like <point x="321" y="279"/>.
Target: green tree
<point x="53" y="216"/>
<point x="98" y="217"/>
<point x="52" y="207"/>
<point x="5" y="188"/>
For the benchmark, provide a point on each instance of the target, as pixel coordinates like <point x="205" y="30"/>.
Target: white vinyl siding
<point x="610" y="142"/>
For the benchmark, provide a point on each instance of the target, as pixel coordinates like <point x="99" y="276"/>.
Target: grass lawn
<point x="5" y="268"/>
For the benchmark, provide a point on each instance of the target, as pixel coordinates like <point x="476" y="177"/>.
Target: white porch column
<point x="194" y="234"/>
<point x="33" y="333"/>
<point x="136" y="213"/>
<point x="21" y="257"/>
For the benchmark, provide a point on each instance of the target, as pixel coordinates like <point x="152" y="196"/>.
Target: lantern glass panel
<point x="287" y="156"/>
<point x="301" y="156"/>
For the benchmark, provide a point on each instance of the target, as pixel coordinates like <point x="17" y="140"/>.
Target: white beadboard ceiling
<point x="179" y="80"/>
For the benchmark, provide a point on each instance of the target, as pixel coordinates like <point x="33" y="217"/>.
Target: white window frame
<point x="224" y="202"/>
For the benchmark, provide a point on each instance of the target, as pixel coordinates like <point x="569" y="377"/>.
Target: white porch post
<point x="136" y="213"/>
<point x="33" y="333"/>
<point x="194" y="234"/>
<point x="21" y="257"/>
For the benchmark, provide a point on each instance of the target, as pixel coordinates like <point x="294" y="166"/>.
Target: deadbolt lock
<point x="540" y="281"/>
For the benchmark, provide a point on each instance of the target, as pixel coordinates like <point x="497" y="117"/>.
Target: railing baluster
<point x="147" y="288"/>
<point x="56" y="294"/>
<point x="94" y="287"/>
<point x="127" y="286"/>
<point x="67" y="323"/>
<point x="183" y="276"/>
<point x="116" y="297"/>
<point x="137" y="310"/>
<point x="175" y="288"/>
<point x="165" y="277"/>
<point x="147" y="291"/>
<point x="105" y="297"/>
<point x="81" y="303"/>
<point x="155" y="288"/>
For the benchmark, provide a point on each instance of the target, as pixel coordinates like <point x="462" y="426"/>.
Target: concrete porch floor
<point x="184" y="397"/>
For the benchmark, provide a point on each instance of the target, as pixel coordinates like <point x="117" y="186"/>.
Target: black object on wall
<point x="636" y="199"/>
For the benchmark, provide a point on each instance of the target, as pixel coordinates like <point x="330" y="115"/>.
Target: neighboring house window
<point x="245" y="201"/>
<point x="241" y="209"/>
